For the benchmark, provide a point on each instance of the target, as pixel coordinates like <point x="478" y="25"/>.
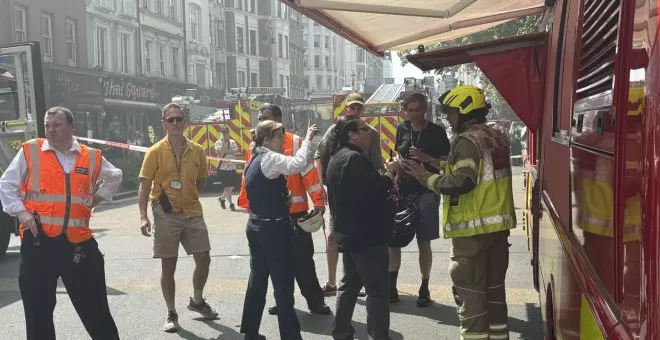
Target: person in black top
<point x="360" y="202"/>
<point x="270" y="229"/>
<point x="427" y="143"/>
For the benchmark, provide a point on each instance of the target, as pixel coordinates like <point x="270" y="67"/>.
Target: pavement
<point x="139" y="310"/>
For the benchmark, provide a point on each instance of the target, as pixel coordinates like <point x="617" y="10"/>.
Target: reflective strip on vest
<point x="482" y="222"/>
<point x="73" y="222"/>
<point x="309" y="169"/>
<point x="315" y="188"/>
<point x="52" y="198"/>
<point x="298" y="199"/>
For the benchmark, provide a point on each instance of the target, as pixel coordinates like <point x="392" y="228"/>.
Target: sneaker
<point x="320" y="308"/>
<point x="202" y="308"/>
<point x="362" y="293"/>
<point x="394" y="296"/>
<point x="254" y="337"/>
<point x="232" y="207"/>
<point x="328" y="290"/>
<point x="272" y="310"/>
<point x="424" y="299"/>
<point x="222" y="203"/>
<point x="172" y="322"/>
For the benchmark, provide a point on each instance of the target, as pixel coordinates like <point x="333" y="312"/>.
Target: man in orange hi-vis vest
<point x="49" y="186"/>
<point x="300" y="185"/>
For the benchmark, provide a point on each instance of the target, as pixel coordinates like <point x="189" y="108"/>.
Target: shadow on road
<point x="226" y="333"/>
<point x="314" y="324"/>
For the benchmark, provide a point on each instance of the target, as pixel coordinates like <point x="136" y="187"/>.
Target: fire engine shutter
<point x="515" y="66"/>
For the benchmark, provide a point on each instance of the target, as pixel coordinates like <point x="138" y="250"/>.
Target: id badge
<point x="175" y="184"/>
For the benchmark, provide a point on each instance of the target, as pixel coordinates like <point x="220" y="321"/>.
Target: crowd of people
<point x="375" y="209"/>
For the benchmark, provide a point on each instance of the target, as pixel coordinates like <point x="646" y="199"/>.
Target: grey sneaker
<point x="172" y="322"/>
<point x="202" y="308"/>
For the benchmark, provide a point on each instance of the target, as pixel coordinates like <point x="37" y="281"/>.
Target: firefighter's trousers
<point x="42" y="264"/>
<point x="478" y="268"/>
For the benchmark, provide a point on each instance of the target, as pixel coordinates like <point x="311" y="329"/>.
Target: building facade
<point x="218" y="45"/>
<point x="323" y="60"/>
<point x="364" y="70"/>
<point x="60" y="26"/>
<point x="198" y="43"/>
<point x="162" y="39"/>
<point x="113" y="36"/>
<point x="296" y="88"/>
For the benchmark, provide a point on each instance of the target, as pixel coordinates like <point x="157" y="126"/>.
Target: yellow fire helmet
<point x="465" y="98"/>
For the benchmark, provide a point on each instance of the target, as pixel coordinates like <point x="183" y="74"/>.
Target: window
<point x="279" y="9"/>
<point x="305" y="40"/>
<point x="279" y="46"/>
<point x="101" y="46"/>
<point x="281" y="80"/>
<point x="327" y="41"/>
<point x="328" y="65"/>
<point x="253" y="6"/>
<point x="253" y="43"/>
<point x="319" y="82"/>
<point x="254" y="79"/>
<point x="128" y="7"/>
<point x="286" y="46"/>
<point x="220" y="69"/>
<point x="147" y="56"/>
<point x="161" y="59"/>
<point x="317" y="40"/>
<point x="20" y="24"/>
<point x="306" y="82"/>
<point x="241" y="78"/>
<point x="287" y="85"/>
<point x="124" y="48"/>
<point x="239" y="39"/>
<point x="336" y="83"/>
<point x="239" y="5"/>
<point x="47" y="36"/>
<point x="360" y="55"/>
<point x="195" y="22"/>
<point x="70" y="27"/>
<point x="200" y="72"/>
<point x="159" y="7"/>
<point x="317" y="61"/>
<point x="360" y="72"/>
<point x="172" y="12"/>
<point x="329" y="81"/>
<point x="145" y="4"/>
<point x="305" y="62"/>
<point x="175" y="62"/>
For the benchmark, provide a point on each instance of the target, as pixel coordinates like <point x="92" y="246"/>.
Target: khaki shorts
<point x="170" y="230"/>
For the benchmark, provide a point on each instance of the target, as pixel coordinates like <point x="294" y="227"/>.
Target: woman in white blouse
<point x="270" y="229"/>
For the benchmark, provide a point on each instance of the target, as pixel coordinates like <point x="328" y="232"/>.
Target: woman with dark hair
<point x="270" y="229"/>
<point x="360" y="201"/>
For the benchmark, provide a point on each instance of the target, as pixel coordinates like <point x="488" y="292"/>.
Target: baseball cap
<point x="354" y="98"/>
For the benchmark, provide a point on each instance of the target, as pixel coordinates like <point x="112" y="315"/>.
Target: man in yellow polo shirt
<point x="175" y="171"/>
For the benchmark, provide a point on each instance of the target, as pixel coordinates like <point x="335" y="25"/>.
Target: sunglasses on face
<point x="177" y="119"/>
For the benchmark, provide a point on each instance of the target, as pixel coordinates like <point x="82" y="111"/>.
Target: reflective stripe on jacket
<point x="61" y="200"/>
<point x="488" y="208"/>
<point x="307" y="182"/>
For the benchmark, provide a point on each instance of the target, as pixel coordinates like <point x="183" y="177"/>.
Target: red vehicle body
<point x="587" y="86"/>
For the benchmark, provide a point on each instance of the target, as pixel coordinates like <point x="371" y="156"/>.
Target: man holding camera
<point x="425" y="142"/>
<point x="175" y="171"/>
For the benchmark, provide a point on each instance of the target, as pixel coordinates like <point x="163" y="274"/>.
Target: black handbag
<point x="406" y="220"/>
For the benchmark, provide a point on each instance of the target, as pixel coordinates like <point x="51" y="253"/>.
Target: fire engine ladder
<point x="386" y="93"/>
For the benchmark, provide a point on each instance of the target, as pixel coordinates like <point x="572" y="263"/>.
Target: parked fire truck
<point x="22" y="108"/>
<point x="588" y="89"/>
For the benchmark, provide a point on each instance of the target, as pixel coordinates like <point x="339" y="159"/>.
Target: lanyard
<point x="177" y="161"/>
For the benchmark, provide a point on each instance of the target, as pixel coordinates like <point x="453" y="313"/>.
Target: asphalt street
<point x="139" y="310"/>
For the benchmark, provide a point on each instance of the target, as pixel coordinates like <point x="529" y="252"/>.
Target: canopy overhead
<point x="515" y="66"/>
<point x="379" y="25"/>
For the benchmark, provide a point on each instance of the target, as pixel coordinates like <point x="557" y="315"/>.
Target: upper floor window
<point x="47" y="35"/>
<point x="195" y="22"/>
<point x="70" y="27"/>
<point x="20" y="23"/>
<point x="172" y="9"/>
<point x="145" y="4"/>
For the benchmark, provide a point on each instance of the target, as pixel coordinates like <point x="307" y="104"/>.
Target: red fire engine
<point x="586" y="86"/>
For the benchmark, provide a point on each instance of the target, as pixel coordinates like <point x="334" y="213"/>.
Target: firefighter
<point x="306" y="182"/>
<point x="49" y="186"/>
<point x="478" y="212"/>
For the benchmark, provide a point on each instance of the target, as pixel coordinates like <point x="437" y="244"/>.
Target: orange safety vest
<point x="299" y="185"/>
<point x="63" y="206"/>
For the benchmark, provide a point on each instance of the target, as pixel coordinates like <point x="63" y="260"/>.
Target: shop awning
<point x="515" y="66"/>
<point x="379" y="25"/>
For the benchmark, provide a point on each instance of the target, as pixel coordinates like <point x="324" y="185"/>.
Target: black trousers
<point x="41" y="266"/>
<point x="304" y="267"/>
<point x="271" y="254"/>
<point x="365" y="268"/>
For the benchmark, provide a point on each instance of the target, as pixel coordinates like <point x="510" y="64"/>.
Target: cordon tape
<point x="144" y="149"/>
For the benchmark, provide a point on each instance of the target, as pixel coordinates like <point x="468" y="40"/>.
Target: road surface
<point x="139" y="311"/>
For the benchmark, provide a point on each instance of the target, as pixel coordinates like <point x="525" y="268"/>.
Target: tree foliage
<point x="524" y="25"/>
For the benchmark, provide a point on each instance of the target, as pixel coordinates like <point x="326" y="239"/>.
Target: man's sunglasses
<point x="174" y="119"/>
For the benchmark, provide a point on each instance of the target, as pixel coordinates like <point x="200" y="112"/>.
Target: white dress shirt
<point x="17" y="172"/>
<point x="274" y="164"/>
<point x="226" y="150"/>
